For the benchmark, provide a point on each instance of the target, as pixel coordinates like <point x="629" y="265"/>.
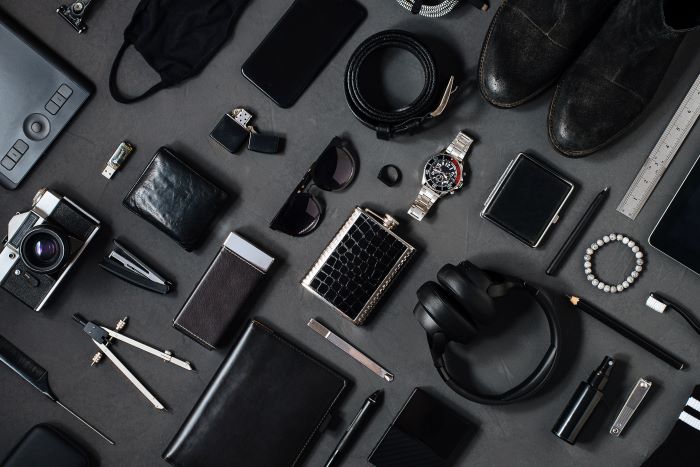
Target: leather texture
<point x="606" y="90"/>
<point x="264" y="406"/>
<point x="217" y="299"/>
<point x="44" y="445"/>
<point x="467" y="298"/>
<point x="531" y="42"/>
<point x="361" y="261"/>
<point x="387" y="124"/>
<point x="176" y="199"/>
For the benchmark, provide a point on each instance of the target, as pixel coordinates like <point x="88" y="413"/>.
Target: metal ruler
<point x="662" y="154"/>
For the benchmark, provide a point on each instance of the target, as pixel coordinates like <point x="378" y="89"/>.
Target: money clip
<point x="633" y="402"/>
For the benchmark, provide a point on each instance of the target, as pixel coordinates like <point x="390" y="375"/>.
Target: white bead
<point x="639" y="255"/>
<point x="625" y="240"/>
<point x="600" y="242"/>
<point x="613" y="289"/>
<point x="590" y="277"/>
<point x="619" y="237"/>
<point x="594" y="246"/>
<point x="587" y="264"/>
<point x="595" y="282"/>
<point x="635" y="249"/>
<point x="588" y="271"/>
<point x="620" y="287"/>
<point x="587" y="257"/>
<point x="589" y="251"/>
<point x="625" y="284"/>
<point x="601" y="285"/>
<point x="638" y="268"/>
<point x="606" y="288"/>
<point x="631" y="244"/>
<point x="640" y="262"/>
<point x="630" y="279"/>
<point x="606" y="239"/>
<point x="634" y="274"/>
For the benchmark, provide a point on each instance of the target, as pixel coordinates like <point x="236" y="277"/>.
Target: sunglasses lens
<point x="335" y="169"/>
<point x="299" y="216"/>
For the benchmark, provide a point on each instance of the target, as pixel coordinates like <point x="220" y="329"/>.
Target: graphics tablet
<point x="677" y="233"/>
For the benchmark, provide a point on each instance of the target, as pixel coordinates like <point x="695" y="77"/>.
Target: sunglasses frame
<point x="307" y="181"/>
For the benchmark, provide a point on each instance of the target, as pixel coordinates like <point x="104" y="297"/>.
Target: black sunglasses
<point x="334" y="170"/>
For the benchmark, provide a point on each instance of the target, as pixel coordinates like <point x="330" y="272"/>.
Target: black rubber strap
<point x="404" y="120"/>
<point x="114" y="89"/>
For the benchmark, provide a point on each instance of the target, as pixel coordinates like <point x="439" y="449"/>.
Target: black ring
<point x="390" y="175"/>
<point x="389" y="123"/>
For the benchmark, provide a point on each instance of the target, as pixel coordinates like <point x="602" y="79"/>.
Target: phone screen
<point x="300" y="45"/>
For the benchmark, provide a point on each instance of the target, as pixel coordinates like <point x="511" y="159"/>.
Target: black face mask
<point x="177" y="38"/>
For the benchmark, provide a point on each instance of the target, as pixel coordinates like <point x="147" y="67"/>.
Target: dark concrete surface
<point x="515" y="435"/>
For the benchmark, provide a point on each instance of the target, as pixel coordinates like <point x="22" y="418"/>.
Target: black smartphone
<point x="300" y="45"/>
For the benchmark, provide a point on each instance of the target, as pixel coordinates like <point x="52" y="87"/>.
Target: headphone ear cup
<point x="470" y="290"/>
<point x="445" y="314"/>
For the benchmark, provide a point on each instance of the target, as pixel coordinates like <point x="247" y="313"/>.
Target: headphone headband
<point x="438" y="340"/>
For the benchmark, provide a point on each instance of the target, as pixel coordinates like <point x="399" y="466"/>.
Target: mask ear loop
<point x="114" y="89"/>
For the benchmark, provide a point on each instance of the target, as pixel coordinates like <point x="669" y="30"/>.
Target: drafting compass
<point x="102" y="337"/>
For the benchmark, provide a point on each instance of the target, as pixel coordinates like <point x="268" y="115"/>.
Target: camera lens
<point x="43" y="249"/>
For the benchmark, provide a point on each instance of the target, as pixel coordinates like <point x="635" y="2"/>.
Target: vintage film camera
<point x="42" y="245"/>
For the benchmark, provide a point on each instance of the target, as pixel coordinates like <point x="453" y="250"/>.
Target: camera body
<point x="42" y="246"/>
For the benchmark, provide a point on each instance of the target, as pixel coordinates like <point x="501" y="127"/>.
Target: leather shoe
<point x="531" y="42"/>
<point x="607" y="88"/>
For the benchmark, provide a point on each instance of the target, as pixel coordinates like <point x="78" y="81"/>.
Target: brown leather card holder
<point x="222" y="291"/>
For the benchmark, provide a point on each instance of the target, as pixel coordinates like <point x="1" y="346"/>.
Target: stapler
<point x="125" y="265"/>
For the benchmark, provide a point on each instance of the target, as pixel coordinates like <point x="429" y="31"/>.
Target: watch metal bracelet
<point x="459" y="146"/>
<point x="425" y="200"/>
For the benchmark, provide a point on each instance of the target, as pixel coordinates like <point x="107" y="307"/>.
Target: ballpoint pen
<point x="626" y="331"/>
<point x="354" y="426"/>
<point x="575" y="234"/>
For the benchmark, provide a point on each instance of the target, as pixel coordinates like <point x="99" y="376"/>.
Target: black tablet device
<point x="527" y="199"/>
<point x="677" y="234"/>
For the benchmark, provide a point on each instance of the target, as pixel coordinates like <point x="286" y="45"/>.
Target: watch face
<point x="442" y="173"/>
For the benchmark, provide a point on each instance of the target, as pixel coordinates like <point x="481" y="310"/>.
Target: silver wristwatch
<point x="442" y="175"/>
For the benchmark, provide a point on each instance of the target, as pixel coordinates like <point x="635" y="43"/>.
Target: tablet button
<point x="65" y="91"/>
<point x="8" y="163"/>
<point x="36" y="127"/>
<point x="21" y="146"/>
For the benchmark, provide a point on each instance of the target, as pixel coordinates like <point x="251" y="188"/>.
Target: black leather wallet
<point x="44" y="445"/>
<point x="176" y="199"/>
<point x="265" y="405"/>
<point x="226" y="285"/>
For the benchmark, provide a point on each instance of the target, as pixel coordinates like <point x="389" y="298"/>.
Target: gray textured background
<point x="182" y="118"/>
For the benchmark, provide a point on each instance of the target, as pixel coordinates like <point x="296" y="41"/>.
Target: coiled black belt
<point x="429" y="104"/>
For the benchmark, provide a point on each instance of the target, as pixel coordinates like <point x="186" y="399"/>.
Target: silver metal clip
<point x="631" y="405"/>
<point x="449" y="90"/>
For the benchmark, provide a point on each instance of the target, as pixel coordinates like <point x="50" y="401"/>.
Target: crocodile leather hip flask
<point x="359" y="264"/>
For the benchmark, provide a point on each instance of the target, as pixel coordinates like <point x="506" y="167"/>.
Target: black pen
<point x="350" y="431"/>
<point x="626" y="331"/>
<point x="575" y="234"/>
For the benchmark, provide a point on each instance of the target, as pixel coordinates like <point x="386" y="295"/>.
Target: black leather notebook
<point x="264" y="406"/>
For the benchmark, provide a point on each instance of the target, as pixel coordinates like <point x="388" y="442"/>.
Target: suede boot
<point x="531" y="42"/>
<point x="607" y="88"/>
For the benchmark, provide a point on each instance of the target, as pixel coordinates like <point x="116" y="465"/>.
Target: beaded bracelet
<point x="588" y="263"/>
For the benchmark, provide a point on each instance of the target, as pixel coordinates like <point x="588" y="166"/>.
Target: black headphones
<point x="465" y="298"/>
